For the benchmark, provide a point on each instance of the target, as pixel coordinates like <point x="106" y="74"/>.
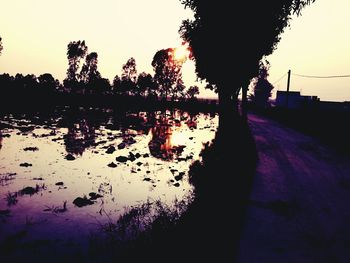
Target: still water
<point x="66" y="173"/>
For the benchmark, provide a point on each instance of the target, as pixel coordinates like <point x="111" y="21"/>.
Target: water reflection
<point x="165" y="127"/>
<point x="80" y="135"/>
<point x="151" y="154"/>
<point x="168" y="140"/>
<point x="160" y="144"/>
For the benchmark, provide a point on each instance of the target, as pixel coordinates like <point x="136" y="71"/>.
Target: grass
<point x="142" y="219"/>
<point x="137" y="232"/>
<point x="11" y="198"/>
<point x="57" y="209"/>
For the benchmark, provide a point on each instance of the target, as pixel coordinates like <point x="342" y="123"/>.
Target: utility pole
<point x="288" y="83"/>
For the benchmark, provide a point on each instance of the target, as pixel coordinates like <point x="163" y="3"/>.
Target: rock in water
<point x="70" y="157"/>
<point x="110" y="150"/>
<point x="122" y="159"/>
<point x="112" y="165"/>
<point x="80" y="202"/>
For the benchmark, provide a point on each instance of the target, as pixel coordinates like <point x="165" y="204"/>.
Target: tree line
<point x="84" y="79"/>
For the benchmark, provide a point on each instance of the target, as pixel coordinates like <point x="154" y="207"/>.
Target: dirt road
<point x="299" y="208"/>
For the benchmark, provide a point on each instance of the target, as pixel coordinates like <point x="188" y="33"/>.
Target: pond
<point x="66" y="173"/>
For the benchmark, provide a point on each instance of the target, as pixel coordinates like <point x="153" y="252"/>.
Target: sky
<point x="317" y="44"/>
<point x="36" y="33"/>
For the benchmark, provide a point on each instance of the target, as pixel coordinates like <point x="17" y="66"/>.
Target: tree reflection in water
<point x="80" y="136"/>
<point x="166" y="144"/>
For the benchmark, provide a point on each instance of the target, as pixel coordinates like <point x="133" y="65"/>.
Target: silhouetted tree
<point x="238" y="36"/>
<point x="262" y="87"/>
<point x="145" y="84"/>
<point x="192" y="92"/>
<point x="30" y="83"/>
<point x="25" y="86"/>
<point x="129" y="78"/>
<point x="6" y="85"/>
<point x="18" y="82"/>
<point x="167" y="71"/>
<point x="90" y="77"/>
<point x="100" y="86"/>
<point x="116" y="85"/>
<point x="178" y="90"/>
<point x="6" y="80"/>
<point x="89" y="70"/>
<point x="76" y="50"/>
<point x="47" y="84"/>
<point x="228" y="40"/>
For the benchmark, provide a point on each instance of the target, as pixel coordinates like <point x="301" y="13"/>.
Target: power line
<point x="280" y="78"/>
<point x="321" y="77"/>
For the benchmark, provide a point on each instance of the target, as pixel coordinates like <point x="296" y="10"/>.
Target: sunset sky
<point x="36" y="33"/>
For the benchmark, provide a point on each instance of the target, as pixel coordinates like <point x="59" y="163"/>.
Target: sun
<point x="181" y="53"/>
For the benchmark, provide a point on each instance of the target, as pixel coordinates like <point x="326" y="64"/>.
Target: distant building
<point x="298" y="101"/>
<point x="294" y="100"/>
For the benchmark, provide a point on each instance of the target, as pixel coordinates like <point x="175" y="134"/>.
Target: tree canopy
<point x="229" y="39"/>
<point x="167" y="71"/>
<point x="89" y="70"/>
<point x="76" y="50"/>
<point x="129" y="77"/>
<point x="192" y="91"/>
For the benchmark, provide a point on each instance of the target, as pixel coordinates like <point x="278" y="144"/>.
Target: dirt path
<point x="300" y="202"/>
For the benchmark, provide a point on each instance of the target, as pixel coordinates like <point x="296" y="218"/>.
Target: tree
<point x="178" y="90"/>
<point x="1" y="46"/>
<point x="145" y="84"/>
<point x="30" y="82"/>
<point x="262" y="87"/>
<point x="220" y="35"/>
<point x="47" y="84"/>
<point x="26" y="86"/>
<point x="129" y="77"/>
<point x="167" y="71"/>
<point x="192" y="92"/>
<point x="89" y="75"/>
<point x="100" y="86"/>
<point x="116" y="86"/>
<point x="6" y="81"/>
<point x="76" y="50"/>
<point x="89" y="70"/>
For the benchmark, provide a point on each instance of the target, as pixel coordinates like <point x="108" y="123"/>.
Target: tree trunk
<point x="228" y="110"/>
<point x="233" y="132"/>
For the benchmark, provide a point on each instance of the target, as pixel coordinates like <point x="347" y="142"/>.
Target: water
<point x="48" y="160"/>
